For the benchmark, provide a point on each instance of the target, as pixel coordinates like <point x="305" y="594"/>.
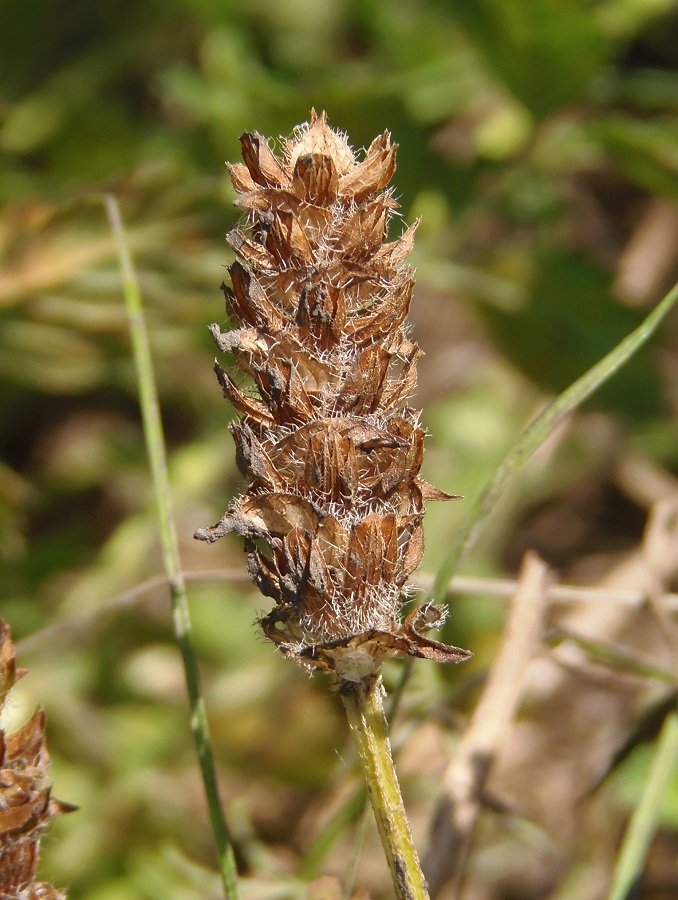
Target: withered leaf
<point x="274" y="513"/>
<point x="316" y="179"/>
<point x="264" y="200"/>
<point x="398" y="391"/>
<point x="28" y="741"/>
<point x="287" y="241"/>
<point x="242" y="181"/>
<point x="429" y="492"/>
<point x="7" y="663"/>
<point x="388" y="313"/>
<point x="317" y="137"/>
<point x="253" y="459"/>
<point x="374" y="173"/>
<point x="365" y="231"/>
<point x="397" y="251"/>
<point x="255" y="254"/>
<point x="363" y="384"/>
<point x="413" y="554"/>
<point x="422" y="619"/>
<point x="24" y="816"/>
<point x="249" y="301"/>
<point x="261" y="162"/>
<point x="257" y="410"/>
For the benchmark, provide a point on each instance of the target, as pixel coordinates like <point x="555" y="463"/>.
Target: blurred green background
<point x="538" y="141"/>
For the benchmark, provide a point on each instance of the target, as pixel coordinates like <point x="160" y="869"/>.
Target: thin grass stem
<point x="155" y="446"/>
<point x="75" y="628"/>
<point x="364" y="708"/>
<point x="541" y="428"/>
<point x="641" y="829"/>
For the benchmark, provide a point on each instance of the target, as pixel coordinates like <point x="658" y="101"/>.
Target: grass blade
<point x="537" y="432"/>
<point x="155" y="446"/>
<point x="643" y="824"/>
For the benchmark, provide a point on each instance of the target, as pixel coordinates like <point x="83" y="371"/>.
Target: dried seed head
<point x="26" y="806"/>
<point x="332" y="515"/>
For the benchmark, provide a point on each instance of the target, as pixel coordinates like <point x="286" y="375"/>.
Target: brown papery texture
<point x="26" y="805"/>
<point x="332" y="515"/>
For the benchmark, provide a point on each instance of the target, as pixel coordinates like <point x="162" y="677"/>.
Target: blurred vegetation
<point x="539" y="143"/>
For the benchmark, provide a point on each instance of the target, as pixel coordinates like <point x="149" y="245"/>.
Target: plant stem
<point x="365" y="711"/>
<point x="155" y="446"/>
<point x="540" y="428"/>
<point x="641" y="829"/>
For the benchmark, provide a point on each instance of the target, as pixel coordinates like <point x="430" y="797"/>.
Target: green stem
<point x="365" y="711"/>
<point x="155" y="446"/>
<point x="537" y="432"/>
<point x="643" y="824"/>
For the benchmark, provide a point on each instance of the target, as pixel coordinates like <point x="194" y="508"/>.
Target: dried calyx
<point x="332" y="515"/>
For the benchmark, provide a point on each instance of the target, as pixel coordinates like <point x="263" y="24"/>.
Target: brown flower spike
<point x="26" y="806"/>
<point x="332" y="516"/>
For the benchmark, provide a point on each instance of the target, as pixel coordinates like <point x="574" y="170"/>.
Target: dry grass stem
<point x="660" y="555"/>
<point x="78" y="628"/>
<point x="580" y="711"/>
<point x="464" y="780"/>
<point x="649" y="257"/>
<point x="647" y="572"/>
